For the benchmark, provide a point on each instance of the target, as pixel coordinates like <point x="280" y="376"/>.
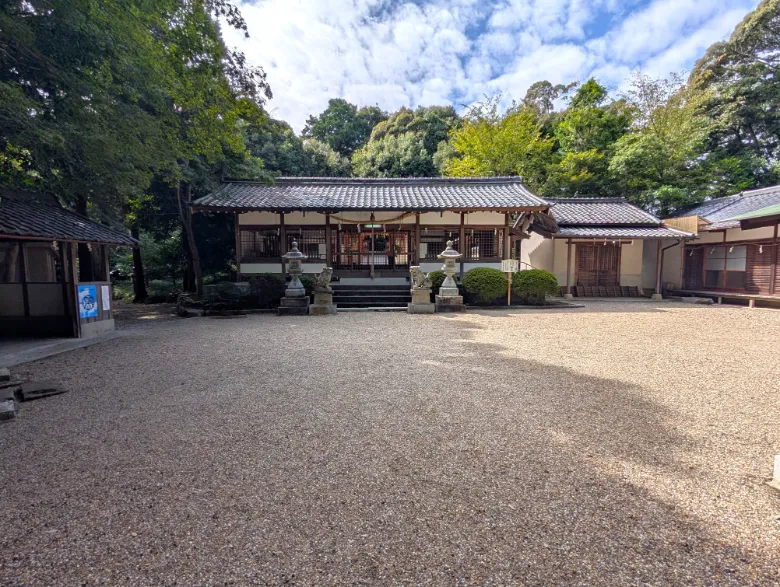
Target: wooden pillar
<point x="328" y="242"/>
<point x="659" y="267"/>
<point x="23" y="274"/>
<point x="63" y="254"/>
<point x="73" y="273"/>
<point x="568" y="267"/>
<point x="774" y="262"/>
<point x="507" y="237"/>
<point x="238" y="247"/>
<point x="282" y="240"/>
<point x="417" y="240"/>
<point x="107" y="262"/>
<point x="462" y="244"/>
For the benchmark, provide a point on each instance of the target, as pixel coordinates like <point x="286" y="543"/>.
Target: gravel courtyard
<point x="619" y="444"/>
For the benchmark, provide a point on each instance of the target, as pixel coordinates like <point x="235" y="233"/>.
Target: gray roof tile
<point x="618" y="232"/>
<point x="720" y="209"/>
<point x="599" y="212"/>
<point x="32" y="219"/>
<point x="419" y="193"/>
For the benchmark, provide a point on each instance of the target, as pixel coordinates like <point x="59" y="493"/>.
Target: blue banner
<point x="88" y="303"/>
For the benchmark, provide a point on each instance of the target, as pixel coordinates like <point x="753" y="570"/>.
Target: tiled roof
<point x="599" y="212"/>
<point x="618" y="232"/>
<point x="723" y="209"/>
<point x="418" y="193"/>
<point x="31" y="219"/>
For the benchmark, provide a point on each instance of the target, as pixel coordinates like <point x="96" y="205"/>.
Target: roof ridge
<point x="287" y="180"/>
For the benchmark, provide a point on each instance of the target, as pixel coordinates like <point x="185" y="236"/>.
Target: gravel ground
<point x="619" y="444"/>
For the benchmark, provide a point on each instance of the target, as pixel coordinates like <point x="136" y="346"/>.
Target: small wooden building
<point x="736" y="250"/>
<point x="40" y="290"/>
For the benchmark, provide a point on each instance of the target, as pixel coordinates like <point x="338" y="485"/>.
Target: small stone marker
<point x="38" y="389"/>
<point x="8" y="409"/>
<point x="775" y="482"/>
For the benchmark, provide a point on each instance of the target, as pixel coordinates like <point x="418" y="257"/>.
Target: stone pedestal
<point x="323" y="304"/>
<point x="775" y="482"/>
<point x="421" y="302"/>
<point x="568" y="296"/>
<point x="449" y="303"/>
<point x="293" y="306"/>
<point x="657" y="297"/>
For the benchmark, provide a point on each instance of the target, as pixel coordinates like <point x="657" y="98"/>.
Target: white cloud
<point x="420" y="53"/>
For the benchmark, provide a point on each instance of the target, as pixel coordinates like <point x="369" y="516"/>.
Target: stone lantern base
<point x="294" y="306"/>
<point x="323" y="304"/>
<point x="421" y="302"/>
<point x="449" y="303"/>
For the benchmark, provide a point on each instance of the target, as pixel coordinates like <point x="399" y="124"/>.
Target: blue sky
<point x="424" y="52"/>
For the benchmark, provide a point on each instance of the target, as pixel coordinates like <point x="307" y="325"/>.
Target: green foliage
<point x="485" y="284"/>
<point x="437" y="278"/>
<point x="533" y="286"/>
<point x="267" y="289"/>
<point x="308" y="282"/>
<point x="324" y="161"/>
<point x="491" y="143"/>
<point x="342" y="126"/>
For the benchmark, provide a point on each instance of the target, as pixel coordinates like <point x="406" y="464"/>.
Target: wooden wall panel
<point x="694" y="267"/>
<point x="758" y="273"/>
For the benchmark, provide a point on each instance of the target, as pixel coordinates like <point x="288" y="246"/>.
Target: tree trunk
<point x="84" y="254"/>
<point x="139" y="279"/>
<point x="188" y="281"/>
<point x="185" y="215"/>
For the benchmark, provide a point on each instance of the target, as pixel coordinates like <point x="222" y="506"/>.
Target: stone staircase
<point x="371" y="296"/>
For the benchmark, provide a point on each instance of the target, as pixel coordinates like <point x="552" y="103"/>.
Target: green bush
<point x="437" y="278"/>
<point x="484" y="285"/>
<point x="267" y="289"/>
<point x="308" y="282"/>
<point x="534" y="285"/>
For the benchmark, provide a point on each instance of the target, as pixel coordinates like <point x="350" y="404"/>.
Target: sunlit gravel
<point x="619" y="444"/>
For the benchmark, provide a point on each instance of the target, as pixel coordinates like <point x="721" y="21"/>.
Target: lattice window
<point x="259" y="245"/>
<point x="434" y="240"/>
<point x="483" y="244"/>
<point x="10" y="263"/>
<point x="311" y="242"/>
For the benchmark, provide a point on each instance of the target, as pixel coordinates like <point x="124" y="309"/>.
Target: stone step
<point x="370" y="305"/>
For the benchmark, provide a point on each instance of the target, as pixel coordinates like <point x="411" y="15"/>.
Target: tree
<point x="541" y="96"/>
<point x="342" y="126"/>
<point x="491" y="143"/>
<point x="324" y="161"/>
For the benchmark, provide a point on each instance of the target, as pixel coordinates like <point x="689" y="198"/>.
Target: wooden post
<point x="417" y="240"/>
<point x="106" y="263"/>
<point x="238" y="247"/>
<point x="659" y="267"/>
<point x="23" y="274"/>
<point x="328" y="242"/>
<point x="74" y="280"/>
<point x="507" y="237"/>
<point x="509" y="289"/>
<point x="568" y="267"/>
<point x="462" y="244"/>
<point x="774" y="262"/>
<point x="61" y="251"/>
<point x="373" y="246"/>
<point x="282" y="240"/>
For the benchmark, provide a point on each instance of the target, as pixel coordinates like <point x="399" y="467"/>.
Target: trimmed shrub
<point x="533" y="286"/>
<point x="437" y="278"/>
<point x="267" y="289"/>
<point x="308" y="282"/>
<point x="485" y="285"/>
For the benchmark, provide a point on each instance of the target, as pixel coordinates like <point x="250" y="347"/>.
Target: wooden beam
<point x="659" y="267"/>
<point x="61" y="251"/>
<point x="328" y="242"/>
<point x="106" y="262"/>
<point x="23" y="273"/>
<point x="462" y="243"/>
<point x="74" y="280"/>
<point x="775" y="260"/>
<point x="282" y="241"/>
<point x="417" y="239"/>
<point x="507" y="237"/>
<point x="237" y="226"/>
<point x="568" y="266"/>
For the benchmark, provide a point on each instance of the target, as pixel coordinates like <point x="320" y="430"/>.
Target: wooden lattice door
<point x="598" y="265"/>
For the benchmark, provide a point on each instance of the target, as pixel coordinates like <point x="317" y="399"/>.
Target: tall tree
<point x="342" y="126"/>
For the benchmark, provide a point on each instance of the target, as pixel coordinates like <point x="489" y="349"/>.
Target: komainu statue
<point x="322" y="283"/>
<point x="419" y="279"/>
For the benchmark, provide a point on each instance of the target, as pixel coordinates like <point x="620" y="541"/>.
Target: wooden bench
<point x="720" y="295"/>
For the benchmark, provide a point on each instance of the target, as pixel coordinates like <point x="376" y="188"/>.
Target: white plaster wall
<point x="45" y="299"/>
<point x="737" y="234"/>
<point x="259" y="218"/>
<point x="631" y="264"/>
<point x="11" y="299"/>
<point x="304" y="219"/>
<point x="252" y="268"/>
<point x="444" y="218"/>
<point x="482" y="218"/>
<point x="560" y="254"/>
<point x="312" y="267"/>
<point x="673" y="261"/>
<point x="538" y="252"/>
<point x="649" y="264"/>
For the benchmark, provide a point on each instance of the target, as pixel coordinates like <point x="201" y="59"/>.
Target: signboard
<point x="105" y="293"/>
<point x="510" y="265"/>
<point x="88" y="305"/>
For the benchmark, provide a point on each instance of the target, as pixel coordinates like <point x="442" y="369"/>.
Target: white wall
<point x="631" y="264"/>
<point x="538" y="252"/>
<point x="252" y="268"/>
<point x="560" y="255"/>
<point x="673" y="260"/>
<point x="259" y="218"/>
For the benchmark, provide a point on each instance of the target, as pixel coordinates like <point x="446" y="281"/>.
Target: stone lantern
<point x="295" y="300"/>
<point x="448" y="299"/>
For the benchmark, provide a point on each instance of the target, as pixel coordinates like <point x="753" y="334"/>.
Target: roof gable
<point x="418" y="193"/>
<point x="34" y="220"/>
